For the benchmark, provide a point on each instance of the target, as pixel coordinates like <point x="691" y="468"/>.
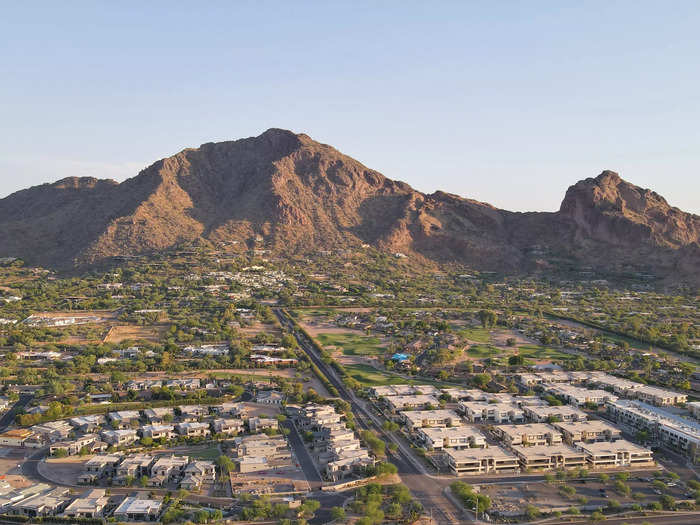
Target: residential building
<point x="414" y="419"/>
<point x="457" y="437"/>
<point x="588" y="431"/>
<point x="478" y="411"/>
<point x="87" y="423"/>
<point x="227" y="426"/>
<point x="481" y="461"/>
<point x="620" y="453"/>
<point x="541" y="414"/>
<point x="579" y="396"/>
<point x="46" y="504"/>
<point x="15" y="437"/>
<point x="159" y="415"/>
<point x="135" y="509"/>
<point x="90" y="504"/>
<point x="549" y="457"/>
<point x="420" y="401"/>
<point x="258" y="424"/>
<point x="157" y="431"/>
<point x="529" y="434"/>
<point x="269" y="397"/>
<point x="194" y="429"/>
<point x="133" y="467"/>
<point x="123" y="419"/>
<point x="119" y="438"/>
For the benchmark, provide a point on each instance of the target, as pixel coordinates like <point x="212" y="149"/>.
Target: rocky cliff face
<point x="300" y="195"/>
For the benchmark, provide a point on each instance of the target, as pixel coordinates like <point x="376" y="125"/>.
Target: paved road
<point x="303" y="456"/>
<point x="685" y="518"/>
<point x="427" y="490"/>
<point x="9" y="417"/>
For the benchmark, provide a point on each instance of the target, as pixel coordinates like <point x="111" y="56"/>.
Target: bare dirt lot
<point x="119" y="333"/>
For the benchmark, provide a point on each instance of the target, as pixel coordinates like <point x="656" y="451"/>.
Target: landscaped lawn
<point x="480" y="335"/>
<point x="208" y="453"/>
<point x="352" y="344"/>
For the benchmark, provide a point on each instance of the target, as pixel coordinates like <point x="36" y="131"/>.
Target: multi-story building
<point x="481" y="460"/>
<point x="159" y="414"/>
<point x="119" y="438"/>
<point x="620" y="453"/>
<point x="417" y="401"/>
<point x="414" y="419"/>
<point x="157" y="431"/>
<point x="579" y="396"/>
<point x="227" y="426"/>
<point x="477" y="411"/>
<point x="90" y="504"/>
<point x="549" y="457"/>
<point x="123" y="419"/>
<point x="530" y="434"/>
<point x="457" y="437"/>
<point x="542" y="414"/>
<point x="193" y="429"/>
<point x="588" y="431"/>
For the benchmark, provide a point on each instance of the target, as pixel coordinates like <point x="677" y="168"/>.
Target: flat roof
<point x="546" y="451"/>
<point x="612" y="447"/>
<point x="475" y="454"/>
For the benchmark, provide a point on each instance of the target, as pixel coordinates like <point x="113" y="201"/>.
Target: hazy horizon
<point x="508" y="104"/>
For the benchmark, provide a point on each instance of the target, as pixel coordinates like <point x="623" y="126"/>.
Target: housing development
<point x="230" y="386"/>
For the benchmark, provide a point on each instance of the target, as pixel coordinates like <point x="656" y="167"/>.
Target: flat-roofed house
<point x="530" y="434"/>
<point x="102" y="465"/>
<point x="123" y="419"/>
<point x="46" y="504"/>
<point x="167" y="468"/>
<point x="90" y="504"/>
<point x="159" y="414"/>
<point x="197" y="473"/>
<point x="133" y="467"/>
<point x="588" y="431"/>
<point x="119" y="438"/>
<point x="191" y="413"/>
<point x="135" y="509"/>
<point x="157" y="431"/>
<point x="227" y="426"/>
<point x="414" y="419"/>
<point x="620" y="453"/>
<point x="458" y="437"/>
<point x="15" y="437"/>
<point x="258" y="424"/>
<point x="87" y="423"/>
<point x="554" y="413"/>
<point x="193" y="429"/>
<point x="481" y="460"/>
<point x="549" y="457"/>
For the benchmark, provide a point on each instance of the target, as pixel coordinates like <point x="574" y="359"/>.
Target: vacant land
<point x="119" y="333"/>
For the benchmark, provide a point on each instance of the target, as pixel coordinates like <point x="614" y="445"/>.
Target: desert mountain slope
<point x="300" y="195"/>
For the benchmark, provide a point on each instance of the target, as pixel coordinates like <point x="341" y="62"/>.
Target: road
<point x="427" y="490"/>
<point x="9" y="417"/>
<point x="303" y="456"/>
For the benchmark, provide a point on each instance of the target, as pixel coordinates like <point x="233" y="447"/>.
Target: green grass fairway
<point x="352" y="344"/>
<point x="542" y="352"/>
<point x="479" y="335"/>
<point x="484" y="351"/>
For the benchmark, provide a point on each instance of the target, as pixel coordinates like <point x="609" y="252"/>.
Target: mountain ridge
<point x="301" y="195"/>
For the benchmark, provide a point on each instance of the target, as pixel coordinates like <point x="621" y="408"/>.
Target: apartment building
<point x="414" y="419"/>
<point x="477" y="411"/>
<point x="403" y="390"/>
<point x="457" y="437"/>
<point x="620" y="453"/>
<point x="588" y="431"/>
<point x="530" y="434"/>
<point x="579" y="396"/>
<point x="549" y="457"/>
<point x="541" y="414"/>
<point x="417" y="401"/>
<point x="481" y="461"/>
<point x="672" y="430"/>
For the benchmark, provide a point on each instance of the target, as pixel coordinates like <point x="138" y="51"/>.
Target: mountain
<point x="302" y="196"/>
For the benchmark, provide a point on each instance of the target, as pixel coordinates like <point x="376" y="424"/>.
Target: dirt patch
<point x="119" y="333"/>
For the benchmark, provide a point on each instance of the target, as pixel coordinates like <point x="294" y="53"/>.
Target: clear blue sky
<point x="505" y="102"/>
